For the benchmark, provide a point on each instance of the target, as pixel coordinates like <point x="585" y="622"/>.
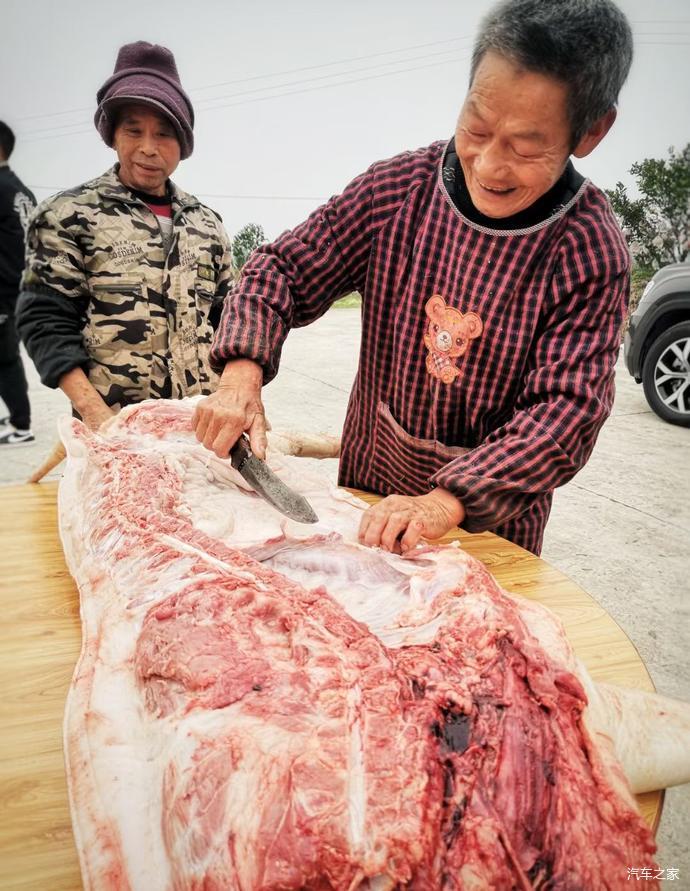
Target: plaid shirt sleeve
<point x="293" y="281"/>
<point x="566" y="397"/>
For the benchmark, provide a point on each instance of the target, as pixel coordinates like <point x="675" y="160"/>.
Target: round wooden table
<point x="40" y="642"/>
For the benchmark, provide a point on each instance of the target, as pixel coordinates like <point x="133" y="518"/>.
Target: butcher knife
<point x="265" y="483"/>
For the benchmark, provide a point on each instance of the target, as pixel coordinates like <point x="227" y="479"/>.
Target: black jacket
<point x="16" y="206"/>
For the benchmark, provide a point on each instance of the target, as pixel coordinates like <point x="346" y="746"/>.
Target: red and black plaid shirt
<point x="529" y="393"/>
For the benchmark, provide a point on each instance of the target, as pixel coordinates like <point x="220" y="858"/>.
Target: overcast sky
<point x="294" y="99"/>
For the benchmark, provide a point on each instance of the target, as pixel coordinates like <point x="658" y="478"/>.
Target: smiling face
<point x="512" y="136"/>
<point x="147" y="149"/>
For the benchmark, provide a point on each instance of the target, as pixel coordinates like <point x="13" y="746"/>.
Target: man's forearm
<point x="82" y="394"/>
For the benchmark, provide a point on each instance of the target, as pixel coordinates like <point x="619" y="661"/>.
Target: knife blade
<point x="270" y="487"/>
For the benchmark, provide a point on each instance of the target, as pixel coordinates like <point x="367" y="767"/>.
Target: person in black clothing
<point x="16" y="205"/>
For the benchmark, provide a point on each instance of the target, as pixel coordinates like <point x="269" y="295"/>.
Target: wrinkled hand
<point x="96" y="415"/>
<point x="235" y="408"/>
<point x="86" y="400"/>
<point x="398" y="522"/>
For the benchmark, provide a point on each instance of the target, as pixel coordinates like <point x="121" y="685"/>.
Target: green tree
<point x="247" y="239"/>
<point x="657" y="225"/>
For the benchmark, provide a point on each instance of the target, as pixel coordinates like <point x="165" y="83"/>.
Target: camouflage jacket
<point x="143" y="312"/>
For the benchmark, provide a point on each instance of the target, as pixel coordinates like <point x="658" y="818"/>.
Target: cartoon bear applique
<point x="447" y="337"/>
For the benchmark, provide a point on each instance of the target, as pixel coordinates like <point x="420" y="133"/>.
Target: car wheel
<point x="666" y="375"/>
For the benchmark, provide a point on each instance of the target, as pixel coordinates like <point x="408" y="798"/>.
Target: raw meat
<point x="264" y="705"/>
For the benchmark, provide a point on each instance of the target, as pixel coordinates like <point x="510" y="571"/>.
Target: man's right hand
<point x="87" y="401"/>
<point x="96" y="416"/>
<point x="235" y="408"/>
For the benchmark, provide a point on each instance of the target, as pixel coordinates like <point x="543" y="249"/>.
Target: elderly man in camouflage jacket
<point x="126" y="274"/>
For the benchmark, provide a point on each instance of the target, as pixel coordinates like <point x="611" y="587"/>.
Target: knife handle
<point x="240" y="452"/>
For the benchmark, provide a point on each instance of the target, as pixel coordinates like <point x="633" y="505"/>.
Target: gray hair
<point x="585" y="44"/>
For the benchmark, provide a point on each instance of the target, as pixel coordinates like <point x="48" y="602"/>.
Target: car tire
<point x="666" y="375"/>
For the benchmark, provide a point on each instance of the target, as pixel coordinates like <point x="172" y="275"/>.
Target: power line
<point x="339" y="62"/>
<point x="56" y="135"/>
<point x="49" y="114"/>
<point x="204" y="104"/>
<point x="275" y="73"/>
<point x="275" y="95"/>
<point x="320" y="77"/>
<point x="341" y="83"/>
<point x="51" y="133"/>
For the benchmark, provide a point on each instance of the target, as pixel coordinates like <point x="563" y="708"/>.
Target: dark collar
<point x="157" y="200"/>
<point x="110" y="186"/>
<point x="558" y="196"/>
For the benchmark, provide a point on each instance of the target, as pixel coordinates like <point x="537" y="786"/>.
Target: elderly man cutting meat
<point x="123" y="272"/>
<point x="493" y="278"/>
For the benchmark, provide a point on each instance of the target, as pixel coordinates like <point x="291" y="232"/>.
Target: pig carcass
<point x="264" y="705"/>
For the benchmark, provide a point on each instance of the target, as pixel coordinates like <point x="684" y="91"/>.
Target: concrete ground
<point x="620" y="529"/>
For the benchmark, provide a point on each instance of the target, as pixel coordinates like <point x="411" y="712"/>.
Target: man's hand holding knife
<point x="235" y="408"/>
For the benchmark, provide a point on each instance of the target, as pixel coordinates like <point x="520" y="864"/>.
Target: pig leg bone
<point x="54" y="457"/>
<point x="650" y="733"/>
<point x="305" y="445"/>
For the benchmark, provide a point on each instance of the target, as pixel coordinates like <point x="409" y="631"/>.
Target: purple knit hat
<point x="146" y="74"/>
